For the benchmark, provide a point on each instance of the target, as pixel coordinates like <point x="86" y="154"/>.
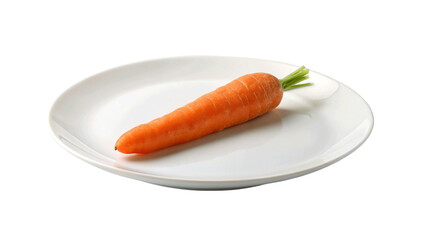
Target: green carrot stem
<point x="291" y="81"/>
<point x="299" y="86"/>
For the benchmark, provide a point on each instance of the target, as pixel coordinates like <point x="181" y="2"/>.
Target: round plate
<point x="313" y="127"/>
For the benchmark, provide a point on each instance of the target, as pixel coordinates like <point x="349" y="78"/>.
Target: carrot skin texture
<point x="244" y="98"/>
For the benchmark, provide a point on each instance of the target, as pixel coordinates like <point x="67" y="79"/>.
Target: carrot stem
<point x="291" y="81"/>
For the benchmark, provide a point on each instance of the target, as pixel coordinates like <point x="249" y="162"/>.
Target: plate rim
<point x="266" y="179"/>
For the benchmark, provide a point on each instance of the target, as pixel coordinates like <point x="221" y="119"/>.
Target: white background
<point x="375" y="47"/>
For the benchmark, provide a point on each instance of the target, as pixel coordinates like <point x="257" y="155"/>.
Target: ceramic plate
<point x="313" y="127"/>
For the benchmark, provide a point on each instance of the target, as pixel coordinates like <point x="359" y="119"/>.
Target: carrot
<point x="245" y="98"/>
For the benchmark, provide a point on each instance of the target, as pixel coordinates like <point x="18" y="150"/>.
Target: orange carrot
<point x="245" y="98"/>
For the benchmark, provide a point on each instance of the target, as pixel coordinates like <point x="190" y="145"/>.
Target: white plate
<point x="312" y="128"/>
